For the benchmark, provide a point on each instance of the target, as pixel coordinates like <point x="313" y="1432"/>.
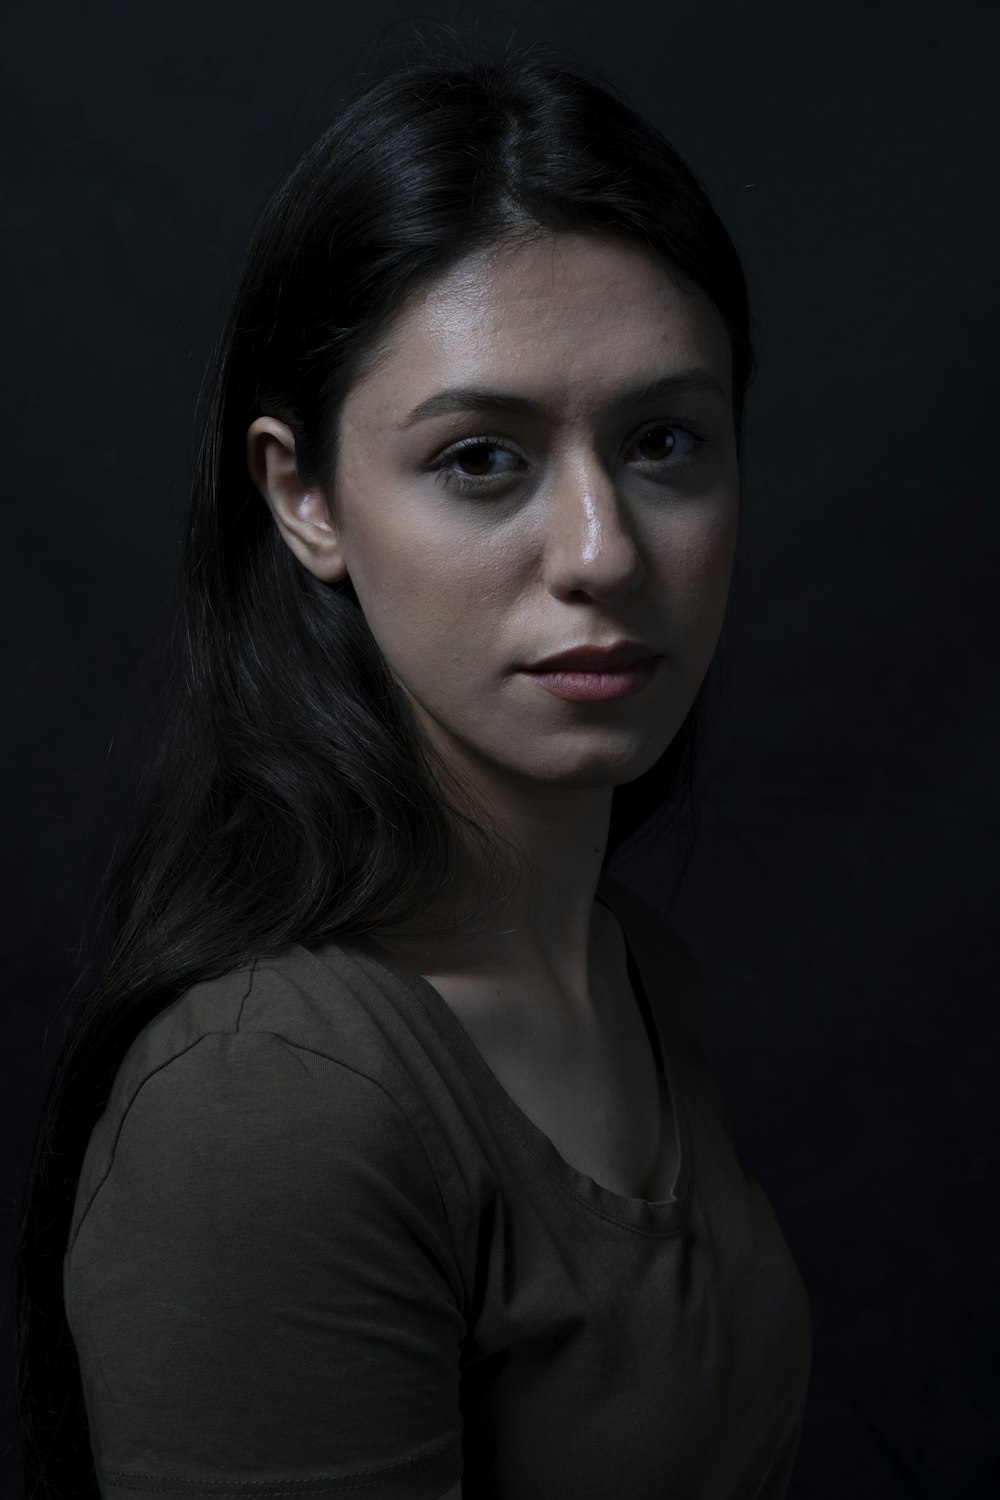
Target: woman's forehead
<point x="570" y="317"/>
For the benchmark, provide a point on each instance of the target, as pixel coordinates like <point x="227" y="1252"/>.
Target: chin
<point x="597" y="769"/>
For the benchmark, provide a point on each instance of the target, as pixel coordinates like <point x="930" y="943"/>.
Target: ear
<point x="301" y="515"/>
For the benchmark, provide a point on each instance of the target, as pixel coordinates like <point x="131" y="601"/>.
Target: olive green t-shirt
<point x="318" y="1250"/>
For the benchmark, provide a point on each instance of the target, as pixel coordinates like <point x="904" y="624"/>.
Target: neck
<point x="547" y="935"/>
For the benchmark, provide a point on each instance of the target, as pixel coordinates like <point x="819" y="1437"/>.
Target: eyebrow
<point x="477" y="398"/>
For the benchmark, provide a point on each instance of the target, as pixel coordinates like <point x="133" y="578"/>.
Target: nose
<point x="590" y="543"/>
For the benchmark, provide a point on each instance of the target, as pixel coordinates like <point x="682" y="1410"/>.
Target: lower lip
<point x="587" y="687"/>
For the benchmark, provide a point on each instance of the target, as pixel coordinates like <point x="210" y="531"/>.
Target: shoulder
<point x="278" y="1064"/>
<point x="264" y="1010"/>
<point x="261" y="1263"/>
<point x="269" y="1015"/>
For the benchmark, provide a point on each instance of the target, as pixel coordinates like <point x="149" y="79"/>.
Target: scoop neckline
<point x="653" y="1216"/>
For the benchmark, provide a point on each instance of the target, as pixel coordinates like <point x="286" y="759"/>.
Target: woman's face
<point x="588" y="518"/>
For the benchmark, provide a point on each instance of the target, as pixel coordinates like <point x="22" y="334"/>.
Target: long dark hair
<point x="286" y="795"/>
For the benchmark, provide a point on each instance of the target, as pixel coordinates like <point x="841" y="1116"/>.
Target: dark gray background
<point x="841" y="897"/>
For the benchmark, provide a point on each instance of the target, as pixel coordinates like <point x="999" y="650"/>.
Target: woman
<point x="387" y="1154"/>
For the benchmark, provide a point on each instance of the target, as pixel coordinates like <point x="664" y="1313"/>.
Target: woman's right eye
<point x="476" y="452"/>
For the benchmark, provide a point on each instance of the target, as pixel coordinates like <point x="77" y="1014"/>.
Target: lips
<point x="595" y="658"/>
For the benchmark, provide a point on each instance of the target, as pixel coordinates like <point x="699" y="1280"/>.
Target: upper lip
<point x="596" y="658"/>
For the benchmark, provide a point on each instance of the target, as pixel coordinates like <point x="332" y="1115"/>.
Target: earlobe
<point x="301" y="514"/>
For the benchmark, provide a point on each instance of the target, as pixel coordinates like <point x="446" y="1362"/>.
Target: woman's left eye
<point x="668" y="438"/>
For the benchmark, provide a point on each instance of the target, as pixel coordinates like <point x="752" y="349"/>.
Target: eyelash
<point x="470" y="484"/>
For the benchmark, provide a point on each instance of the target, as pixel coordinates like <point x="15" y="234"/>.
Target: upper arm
<point x="261" y="1289"/>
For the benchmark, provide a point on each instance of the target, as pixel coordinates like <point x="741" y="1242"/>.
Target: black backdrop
<point x="840" y="897"/>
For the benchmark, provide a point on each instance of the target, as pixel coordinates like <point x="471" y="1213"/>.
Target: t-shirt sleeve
<point x="262" y="1291"/>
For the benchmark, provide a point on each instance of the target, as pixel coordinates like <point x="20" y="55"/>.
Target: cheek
<point x="425" y="596"/>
